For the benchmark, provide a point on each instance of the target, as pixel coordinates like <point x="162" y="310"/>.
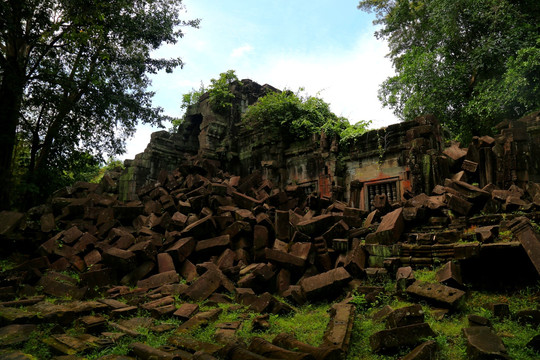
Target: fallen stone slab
<point x="471" y="193"/>
<point x="9" y="221"/>
<point x="214" y="245"/>
<point x="477" y="320"/>
<point x="199" y="355"/>
<point x="167" y="300"/>
<point x="339" y="329"/>
<point x="158" y="280"/>
<point x="450" y="275"/>
<point x="327" y="284"/>
<point x="124" y="329"/>
<point x="16" y="355"/>
<point x="389" y="230"/>
<point x="458" y="205"/>
<point x="146" y="352"/>
<point x="316" y="225"/>
<point x="454" y="152"/>
<point x="23" y="302"/>
<point x="198" y="320"/>
<point x="499" y="310"/>
<point x="267" y="349"/>
<point x="289" y="342"/>
<point x="200" y="229"/>
<point x="165" y="263"/>
<point x="404" y="316"/>
<point x="236" y="351"/>
<point x="60" y="285"/>
<point x="186" y="311"/>
<point x="264" y="303"/>
<point x="529" y="316"/>
<point x="191" y="344"/>
<point x="13" y="315"/>
<point x="284" y="259"/>
<point x="204" y="286"/>
<point x="92" y="323"/>
<point x="140" y="272"/>
<point x="71" y="345"/>
<point x="66" y="312"/>
<point x="356" y="261"/>
<point x="404" y="277"/>
<point x="226" y="332"/>
<point x="482" y="343"/>
<point x="15" y="334"/>
<point x="529" y="239"/>
<point x="389" y="341"/>
<point x="245" y="201"/>
<point x="424" y="351"/>
<point x="436" y="293"/>
<point x="123" y="260"/>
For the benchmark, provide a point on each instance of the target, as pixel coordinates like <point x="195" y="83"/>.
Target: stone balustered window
<point x="387" y="187"/>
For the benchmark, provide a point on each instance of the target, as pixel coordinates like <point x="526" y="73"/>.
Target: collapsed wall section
<point x="399" y="161"/>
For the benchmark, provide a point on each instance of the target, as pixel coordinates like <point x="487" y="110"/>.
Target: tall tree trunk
<point x="11" y="90"/>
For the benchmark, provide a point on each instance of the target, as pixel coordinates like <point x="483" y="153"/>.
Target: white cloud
<point x="241" y="51"/>
<point x="139" y="141"/>
<point x="349" y="80"/>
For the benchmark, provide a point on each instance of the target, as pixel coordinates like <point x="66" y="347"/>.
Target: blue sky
<point x="325" y="46"/>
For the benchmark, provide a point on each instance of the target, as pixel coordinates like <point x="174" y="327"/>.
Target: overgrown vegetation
<point x="308" y="323"/>
<point x="292" y="116"/>
<point x="221" y="96"/>
<point x="470" y="63"/>
<point x="188" y="99"/>
<point x="74" y="78"/>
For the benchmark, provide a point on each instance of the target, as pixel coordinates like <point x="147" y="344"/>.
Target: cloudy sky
<point x="325" y="46"/>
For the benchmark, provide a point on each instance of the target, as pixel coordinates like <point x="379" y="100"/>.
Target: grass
<point x="449" y="337"/>
<point x="308" y="324"/>
<point x="6" y="265"/>
<point x="426" y="275"/>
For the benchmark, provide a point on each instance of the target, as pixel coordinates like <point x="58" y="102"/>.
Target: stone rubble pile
<point x="200" y="234"/>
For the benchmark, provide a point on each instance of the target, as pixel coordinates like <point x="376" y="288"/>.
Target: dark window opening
<point x="388" y="188"/>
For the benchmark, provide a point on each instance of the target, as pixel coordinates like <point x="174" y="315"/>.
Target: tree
<point x="470" y="63"/>
<point x="290" y="116"/>
<point x="74" y="76"/>
<point x="220" y="95"/>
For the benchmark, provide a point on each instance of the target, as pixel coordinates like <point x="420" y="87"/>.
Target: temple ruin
<point x="399" y="161"/>
<point x="219" y="218"/>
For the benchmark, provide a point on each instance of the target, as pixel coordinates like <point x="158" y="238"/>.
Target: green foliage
<point x="426" y="275"/>
<point x="35" y="346"/>
<point x="293" y="116"/>
<point x="359" y="300"/>
<point x="61" y="171"/>
<point x="6" y="264"/>
<point x="470" y="63"/>
<point x="307" y="324"/>
<point x="354" y="131"/>
<point x="220" y="93"/>
<point x="81" y="84"/>
<point x="188" y="99"/>
<point x="192" y="97"/>
<point x="111" y="165"/>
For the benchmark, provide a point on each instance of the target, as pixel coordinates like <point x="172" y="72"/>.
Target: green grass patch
<point x="426" y="275"/>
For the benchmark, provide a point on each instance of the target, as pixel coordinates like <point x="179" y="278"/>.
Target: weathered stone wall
<point x="393" y="161"/>
<point x="399" y="161"/>
<point x="165" y="151"/>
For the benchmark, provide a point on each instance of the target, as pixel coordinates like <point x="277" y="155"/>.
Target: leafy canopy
<point x="470" y="63"/>
<point x="74" y="75"/>
<point x="292" y="116"/>
<point x="221" y="96"/>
